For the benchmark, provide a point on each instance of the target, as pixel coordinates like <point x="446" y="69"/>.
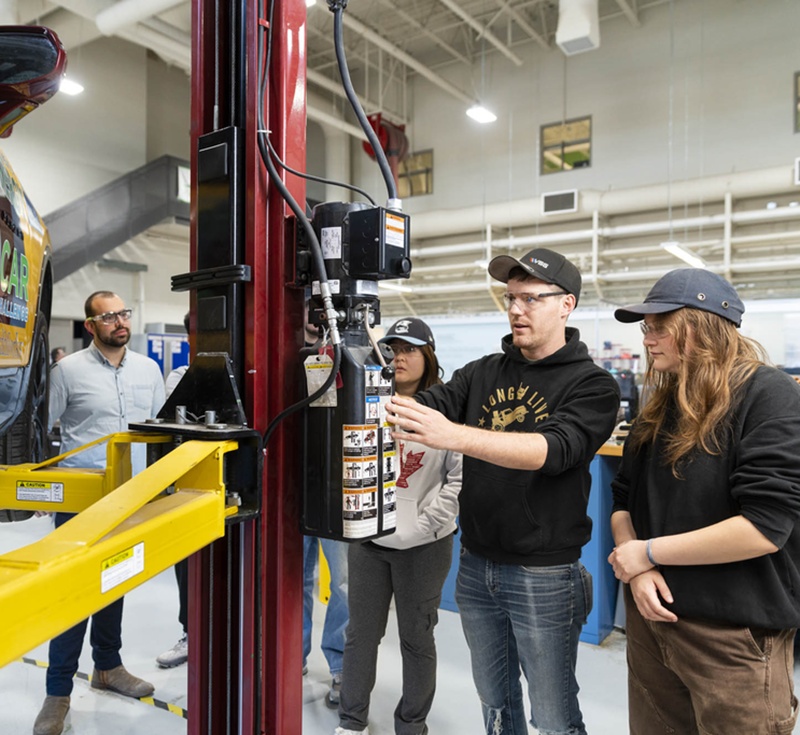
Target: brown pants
<point x="693" y="678"/>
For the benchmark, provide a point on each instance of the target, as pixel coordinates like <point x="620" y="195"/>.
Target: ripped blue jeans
<point x="527" y="618"/>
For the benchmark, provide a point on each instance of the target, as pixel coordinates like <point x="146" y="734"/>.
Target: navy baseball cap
<point x="692" y="288"/>
<point x="411" y="330"/>
<point x="546" y="265"/>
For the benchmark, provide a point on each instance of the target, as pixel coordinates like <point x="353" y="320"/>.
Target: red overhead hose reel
<point x="393" y="140"/>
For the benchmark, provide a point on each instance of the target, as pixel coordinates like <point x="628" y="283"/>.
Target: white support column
<point x="596" y="253"/>
<point x="726" y="236"/>
<point x="9" y="15"/>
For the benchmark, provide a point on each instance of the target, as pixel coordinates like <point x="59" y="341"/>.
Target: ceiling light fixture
<point x="686" y="255"/>
<point x="68" y="86"/>
<point x="309" y="3"/>
<point x="772" y="205"/>
<point x="480" y="114"/>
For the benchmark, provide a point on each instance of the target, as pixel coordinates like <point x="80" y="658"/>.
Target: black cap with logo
<point x="692" y="288"/>
<point x="411" y="330"/>
<point x="546" y="265"/>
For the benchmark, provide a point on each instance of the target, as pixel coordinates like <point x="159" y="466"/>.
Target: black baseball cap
<point x="546" y="265"/>
<point x="692" y="288"/>
<point x="411" y="330"/>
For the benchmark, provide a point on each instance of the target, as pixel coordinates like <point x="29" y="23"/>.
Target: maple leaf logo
<point x="410" y="463"/>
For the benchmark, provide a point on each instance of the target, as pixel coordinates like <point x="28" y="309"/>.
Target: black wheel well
<point x="46" y="297"/>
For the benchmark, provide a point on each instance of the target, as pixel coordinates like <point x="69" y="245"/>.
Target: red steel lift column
<point x="245" y="617"/>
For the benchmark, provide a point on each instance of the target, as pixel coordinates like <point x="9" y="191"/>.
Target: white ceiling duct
<point x="523" y="212"/>
<point x="578" y="26"/>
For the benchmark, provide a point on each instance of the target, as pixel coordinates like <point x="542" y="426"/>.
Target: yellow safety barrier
<point x="126" y="534"/>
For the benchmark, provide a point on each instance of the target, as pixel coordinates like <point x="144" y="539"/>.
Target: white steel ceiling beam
<point x="480" y="28"/>
<point x="129" y="12"/>
<point x="520" y="20"/>
<point x="336" y="88"/>
<point x="631" y="13"/>
<point x="356" y="25"/>
<point x="426" y="32"/>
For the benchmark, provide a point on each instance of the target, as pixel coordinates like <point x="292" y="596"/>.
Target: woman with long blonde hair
<point x="705" y="520"/>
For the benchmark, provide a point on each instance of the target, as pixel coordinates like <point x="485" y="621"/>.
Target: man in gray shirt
<point x="96" y="392"/>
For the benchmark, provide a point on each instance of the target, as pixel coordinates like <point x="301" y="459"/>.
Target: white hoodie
<point x="427" y="496"/>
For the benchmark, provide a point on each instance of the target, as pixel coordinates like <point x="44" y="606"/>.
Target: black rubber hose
<point x="380" y="156"/>
<point x="311" y="177"/>
<point x="299" y="214"/>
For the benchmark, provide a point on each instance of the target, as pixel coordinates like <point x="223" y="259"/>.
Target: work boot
<point x="121" y="681"/>
<point x="335" y="692"/>
<point x="176" y="655"/>
<point x="50" y="720"/>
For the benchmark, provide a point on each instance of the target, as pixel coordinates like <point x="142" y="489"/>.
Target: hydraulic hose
<point x="316" y="249"/>
<point x="311" y="177"/>
<point x="338" y="41"/>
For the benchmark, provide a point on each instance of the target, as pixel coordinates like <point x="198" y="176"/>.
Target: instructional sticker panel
<point x="121" y="567"/>
<point x="40" y="492"/>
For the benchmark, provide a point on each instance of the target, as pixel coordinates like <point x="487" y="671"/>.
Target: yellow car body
<point x="25" y="291"/>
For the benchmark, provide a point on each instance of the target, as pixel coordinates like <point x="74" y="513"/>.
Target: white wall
<point x="169" y="110"/>
<point x="160" y="304"/>
<point x="73" y="145"/>
<point x="741" y="83"/>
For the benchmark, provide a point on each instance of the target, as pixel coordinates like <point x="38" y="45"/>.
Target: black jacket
<point x="533" y="518"/>
<point x="757" y="476"/>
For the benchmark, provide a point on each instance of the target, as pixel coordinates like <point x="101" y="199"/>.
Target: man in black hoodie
<point x="528" y="422"/>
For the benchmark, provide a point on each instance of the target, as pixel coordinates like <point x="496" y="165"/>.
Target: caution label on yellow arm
<point x="40" y="492"/>
<point x="121" y="567"/>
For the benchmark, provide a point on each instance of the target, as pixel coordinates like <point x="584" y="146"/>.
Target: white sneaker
<point x="342" y="731"/>
<point x="176" y="655"/>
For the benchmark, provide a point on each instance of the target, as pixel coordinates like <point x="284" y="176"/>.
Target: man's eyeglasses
<point x="404" y="349"/>
<point x="527" y="301"/>
<point x="110" y="317"/>
<point x="656" y="332"/>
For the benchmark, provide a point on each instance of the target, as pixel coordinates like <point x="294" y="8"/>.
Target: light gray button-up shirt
<point x="94" y="399"/>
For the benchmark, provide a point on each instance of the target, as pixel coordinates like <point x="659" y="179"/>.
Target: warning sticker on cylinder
<point x="331" y="242"/>
<point x="389" y="506"/>
<point x="40" y="492"/>
<point x="389" y="466"/>
<point x="360" y="513"/>
<point x="395" y="231"/>
<point x="359" y="441"/>
<point x="121" y="567"/>
<point x="360" y="472"/>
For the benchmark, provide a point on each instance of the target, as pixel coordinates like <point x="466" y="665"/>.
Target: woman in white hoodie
<point x="411" y="564"/>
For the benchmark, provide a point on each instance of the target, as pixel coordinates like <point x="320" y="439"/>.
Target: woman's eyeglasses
<point x="652" y="330"/>
<point x="404" y="349"/>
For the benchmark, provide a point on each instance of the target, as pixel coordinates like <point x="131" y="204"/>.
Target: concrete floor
<point x="150" y="626"/>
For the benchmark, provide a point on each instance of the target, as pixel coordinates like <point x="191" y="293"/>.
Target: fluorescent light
<point x="70" y="87"/>
<point x="395" y="287"/>
<point x="309" y="3"/>
<point x="686" y="255"/>
<point x="480" y="114"/>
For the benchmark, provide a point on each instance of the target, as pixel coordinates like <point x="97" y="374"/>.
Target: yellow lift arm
<point x="126" y="532"/>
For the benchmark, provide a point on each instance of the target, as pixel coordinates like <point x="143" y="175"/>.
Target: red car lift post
<point x="245" y="617"/>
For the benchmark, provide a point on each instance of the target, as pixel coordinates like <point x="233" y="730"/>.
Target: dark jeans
<point x="528" y="617"/>
<point x="182" y="575"/>
<point x="415" y="576"/>
<point x="697" y="678"/>
<point x="65" y="650"/>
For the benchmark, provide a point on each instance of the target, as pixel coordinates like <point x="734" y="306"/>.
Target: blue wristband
<point x="650" y="553"/>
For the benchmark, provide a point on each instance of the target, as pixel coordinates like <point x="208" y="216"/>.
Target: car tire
<point x="26" y="440"/>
